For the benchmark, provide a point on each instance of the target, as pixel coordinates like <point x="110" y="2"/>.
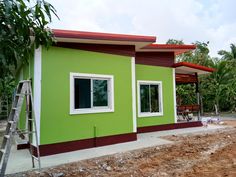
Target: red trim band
<point x="185" y="78"/>
<point x="23" y="146"/>
<point x="169" y="126"/>
<point x="165" y="59"/>
<point x="50" y="149"/>
<point x="124" y="50"/>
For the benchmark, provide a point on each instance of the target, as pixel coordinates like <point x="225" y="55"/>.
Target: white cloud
<point x="191" y="20"/>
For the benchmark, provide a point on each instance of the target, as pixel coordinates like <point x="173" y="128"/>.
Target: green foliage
<point x="175" y="41"/>
<point x="186" y="94"/>
<point x="22" y="28"/>
<point x="218" y="88"/>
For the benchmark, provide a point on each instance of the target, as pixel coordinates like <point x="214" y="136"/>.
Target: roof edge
<point x="177" y="49"/>
<point x="170" y="46"/>
<point x="195" y="66"/>
<point x="59" y="33"/>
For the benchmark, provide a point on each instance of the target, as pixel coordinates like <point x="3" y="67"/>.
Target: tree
<point x="175" y="41"/>
<point x="186" y="93"/>
<point x="215" y="87"/>
<point x="218" y="88"/>
<point x="229" y="55"/>
<point x="23" y="27"/>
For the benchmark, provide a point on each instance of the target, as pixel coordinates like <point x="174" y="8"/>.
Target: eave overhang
<point x="191" y="68"/>
<point x="177" y="49"/>
<point x="102" y="38"/>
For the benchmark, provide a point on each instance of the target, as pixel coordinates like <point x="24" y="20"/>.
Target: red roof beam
<point x="177" y="49"/>
<point x="169" y="46"/>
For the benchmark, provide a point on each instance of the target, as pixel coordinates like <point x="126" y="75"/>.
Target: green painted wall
<point x="57" y="125"/>
<point x="164" y="74"/>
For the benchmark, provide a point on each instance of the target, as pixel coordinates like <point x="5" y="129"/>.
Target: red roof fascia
<point x="170" y="46"/>
<point x="102" y="36"/>
<point x="177" y="49"/>
<point x="195" y="66"/>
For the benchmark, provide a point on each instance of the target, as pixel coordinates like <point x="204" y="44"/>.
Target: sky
<point x="187" y="20"/>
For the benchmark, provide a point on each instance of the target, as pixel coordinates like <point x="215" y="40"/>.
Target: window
<point x="150" y="98"/>
<point x="91" y="93"/>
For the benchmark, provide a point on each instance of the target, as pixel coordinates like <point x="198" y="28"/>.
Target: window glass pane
<point x="100" y="94"/>
<point x="144" y="98"/>
<point x="82" y="93"/>
<point x="154" y="98"/>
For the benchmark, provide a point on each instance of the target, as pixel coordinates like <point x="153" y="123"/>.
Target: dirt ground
<point x="212" y="155"/>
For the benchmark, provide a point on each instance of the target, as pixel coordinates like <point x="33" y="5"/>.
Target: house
<point x="94" y="89"/>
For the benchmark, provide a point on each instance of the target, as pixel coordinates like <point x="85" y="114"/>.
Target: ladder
<point x="23" y="91"/>
<point x="3" y="107"/>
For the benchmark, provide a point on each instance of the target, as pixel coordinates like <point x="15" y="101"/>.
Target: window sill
<point x="150" y="114"/>
<point x="90" y="111"/>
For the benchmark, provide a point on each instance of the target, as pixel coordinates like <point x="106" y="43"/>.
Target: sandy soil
<point x="230" y="122"/>
<point x="212" y="154"/>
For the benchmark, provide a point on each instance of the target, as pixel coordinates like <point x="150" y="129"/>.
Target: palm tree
<point x="229" y="55"/>
<point x="216" y="87"/>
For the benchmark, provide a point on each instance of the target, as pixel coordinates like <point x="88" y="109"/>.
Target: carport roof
<point x="191" y="68"/>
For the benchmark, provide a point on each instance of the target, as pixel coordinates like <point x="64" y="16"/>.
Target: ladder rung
<point x="36" y="158"/>
<point x="3" y="151"/>
<point x="29" y="132"/>
<point x="22" y="81"/>
<point x="20" y="94"/>
<point x="26" y="132"/>
<point x="4" y="105"/>
<point x="7" y="136"/>
<point x="23" y="90"/>
<point x="10" y="121"/>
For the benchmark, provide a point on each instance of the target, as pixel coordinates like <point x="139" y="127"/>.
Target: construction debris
<point x="57" y="174"/>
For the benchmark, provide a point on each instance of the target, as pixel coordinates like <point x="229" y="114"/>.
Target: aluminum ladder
<point x="23" y="92"/>
<point x="4" y="107"/>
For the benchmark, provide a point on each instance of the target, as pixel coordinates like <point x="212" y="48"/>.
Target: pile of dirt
<point x="211" y="154"/>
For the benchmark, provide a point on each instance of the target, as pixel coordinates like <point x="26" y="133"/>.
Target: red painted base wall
<point x="57" y="148"/>
<point x="169" y="126"/>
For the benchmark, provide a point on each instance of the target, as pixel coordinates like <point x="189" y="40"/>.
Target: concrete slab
<point x="20" y="160"/>
<point x="194" y="130"/>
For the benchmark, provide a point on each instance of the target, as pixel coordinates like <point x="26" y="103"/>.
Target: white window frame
<point x="150" y="114"/>
<point x="96" y="109"/>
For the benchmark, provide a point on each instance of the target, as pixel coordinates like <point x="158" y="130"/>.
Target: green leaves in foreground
<point x="23" y="26"/>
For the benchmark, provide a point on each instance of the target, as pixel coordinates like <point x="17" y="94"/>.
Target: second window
<point x="150" y="98"/>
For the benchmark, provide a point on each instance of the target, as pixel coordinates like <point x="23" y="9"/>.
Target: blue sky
<point x="189" y="20"/>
